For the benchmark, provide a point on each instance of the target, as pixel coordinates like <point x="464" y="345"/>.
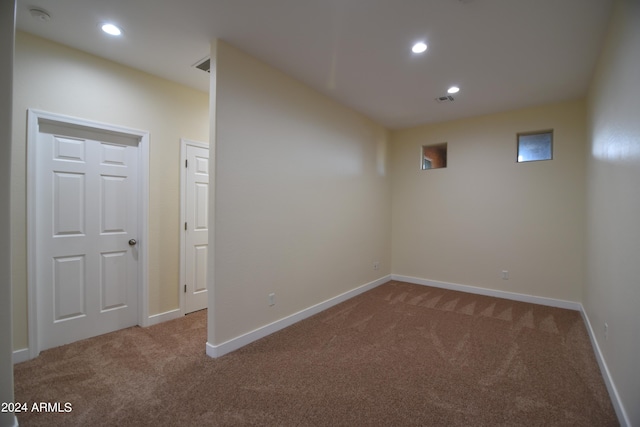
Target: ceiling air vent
<point x="441" y="99"/>
<point x="204" y="65"/>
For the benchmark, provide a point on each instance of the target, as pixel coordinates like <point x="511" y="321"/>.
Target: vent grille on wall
<point x="204" y="65"/>
<point x="442" y="99"/>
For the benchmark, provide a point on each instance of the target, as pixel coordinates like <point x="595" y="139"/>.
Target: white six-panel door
<point x="196" y="230"/>
<point x="86" y="236"/>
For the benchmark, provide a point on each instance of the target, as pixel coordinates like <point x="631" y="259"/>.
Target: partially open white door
<point x="196" y="231"/>
<point x="87" y="217"/>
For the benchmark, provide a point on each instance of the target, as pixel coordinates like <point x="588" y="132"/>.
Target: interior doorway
<point x="195" y="229"/>
<point x="87" y="195"/>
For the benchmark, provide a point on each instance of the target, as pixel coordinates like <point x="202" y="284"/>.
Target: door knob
<point x="132" y="242"/>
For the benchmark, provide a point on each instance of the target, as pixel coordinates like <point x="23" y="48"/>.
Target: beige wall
<point x="7" y="29"/>
<point x="612" y="291"/>
<point x="302" y="202"/>
<point x="484" y="212"/>
<point x="62" y="80"/>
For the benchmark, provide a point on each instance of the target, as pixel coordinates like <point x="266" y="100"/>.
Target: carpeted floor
<point x="398" y="355"/>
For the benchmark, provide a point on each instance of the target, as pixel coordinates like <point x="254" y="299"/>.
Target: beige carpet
<point x="398" y="355"/>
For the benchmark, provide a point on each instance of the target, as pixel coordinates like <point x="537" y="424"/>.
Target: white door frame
<point x="183" y="214"/>
<point x="35" y="117"/>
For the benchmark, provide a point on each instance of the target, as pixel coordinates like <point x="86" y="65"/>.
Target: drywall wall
<point x="485" y="213"/>
<point x="612" y="291"/>
<point x="55" y="78"/>
<point x="302" y="202"/>
<point x="7" y="31"/>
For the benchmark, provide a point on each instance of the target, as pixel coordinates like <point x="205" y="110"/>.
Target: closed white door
<point x="196" y="227"/>
<point x="85" y="238"/>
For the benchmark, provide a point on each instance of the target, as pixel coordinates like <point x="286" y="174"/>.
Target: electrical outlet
<point x="505" y="274"/>
<point x="606" y="331"/>
<point x="376" y="265"/>
<point x="272" y="299"/>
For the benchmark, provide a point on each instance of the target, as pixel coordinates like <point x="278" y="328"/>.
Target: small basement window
<point x="534" y="146"/>
<point x="434" y="156"/>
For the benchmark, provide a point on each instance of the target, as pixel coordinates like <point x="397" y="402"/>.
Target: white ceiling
<point x="504" y="54"/>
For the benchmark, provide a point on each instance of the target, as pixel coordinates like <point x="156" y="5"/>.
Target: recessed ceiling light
<point x="453" y="89"/>
<point x="111" y="29"/>
<point x="419" y="47"/>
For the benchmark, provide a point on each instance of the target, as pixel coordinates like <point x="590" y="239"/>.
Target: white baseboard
<point x="21" y="355"/>
<point x="163" y="317"/>
<point x="242" y="340"/>
<point x="571" y="305"/>
<point x="623" y="418"/>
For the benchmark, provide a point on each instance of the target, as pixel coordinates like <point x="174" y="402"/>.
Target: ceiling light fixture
<point x="453" y="89"/>
<point x="111" y="29"/>
<point x="40" y="14"/>
<point x="419" y="47"/>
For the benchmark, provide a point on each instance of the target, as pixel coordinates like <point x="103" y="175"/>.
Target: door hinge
<point x="185" y="226"/>
<point x="185" y="289"/>
<point x="186" y="163"/>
